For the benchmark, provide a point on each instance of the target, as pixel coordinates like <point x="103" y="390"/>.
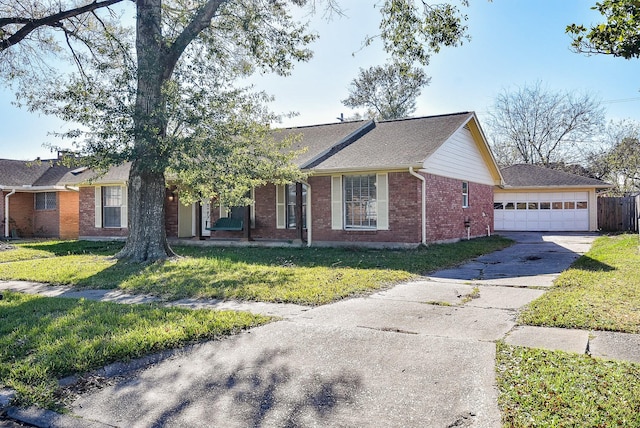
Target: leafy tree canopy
<point x="153" y="82"/>
<point x="387" y="92"/>
<point x="619" y="35"/>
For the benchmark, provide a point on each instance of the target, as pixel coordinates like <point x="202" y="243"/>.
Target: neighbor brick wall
<point x="87" y="218"/>
<point x="69" y="213"/>
<point x="46" y="223"/>
<point x="21" y="208"/>
<point x="445" y="214"/>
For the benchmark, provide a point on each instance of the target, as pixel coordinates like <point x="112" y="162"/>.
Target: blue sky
<point x="514" y="43"/>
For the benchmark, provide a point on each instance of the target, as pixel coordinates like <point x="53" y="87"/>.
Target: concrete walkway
<point x="419" y="354"/>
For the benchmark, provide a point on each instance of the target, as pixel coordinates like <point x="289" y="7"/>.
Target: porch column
<point x="247" y="223"/>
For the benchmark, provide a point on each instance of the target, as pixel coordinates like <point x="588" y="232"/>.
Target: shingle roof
<point x="318" y="139"/>
<point x="397" y="143"/>
<point x="15" y="173"/>
<point x="527" y="175"/>
<point x="115" y="174"/>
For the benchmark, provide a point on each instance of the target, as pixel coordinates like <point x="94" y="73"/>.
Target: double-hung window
<point x="465" y="194"/>
<point x="46" y="201"/>
<point x="360" y="202"/>
<point x="112" y="200"/>
<point x="291" y="206"/>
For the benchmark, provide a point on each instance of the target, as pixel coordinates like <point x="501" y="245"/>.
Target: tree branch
<point x="201" y="21"/>
<point x="48" y="21"/>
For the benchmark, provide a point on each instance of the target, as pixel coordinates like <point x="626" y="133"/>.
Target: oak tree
<point x="153" y="82"/>
<point x="387" y="92"/>
<point x="619" y="35"/>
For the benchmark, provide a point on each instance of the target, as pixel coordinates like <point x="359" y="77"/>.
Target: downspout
<point x="424" y="204"/>
<point x="309" y="222"/>
<point x="6" y="213"/>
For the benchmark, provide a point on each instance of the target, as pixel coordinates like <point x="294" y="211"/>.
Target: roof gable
<point x="535" y="176"/>
<point x="396" y="143"/>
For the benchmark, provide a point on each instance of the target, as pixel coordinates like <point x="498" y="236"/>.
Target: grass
<point x="310" y="276"/>
<point x="540" y="388"/>
<point x="601" y="290"/>
<point x="43" y="339"/>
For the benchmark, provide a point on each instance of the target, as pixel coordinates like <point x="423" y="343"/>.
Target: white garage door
<point x="562" y="211"/>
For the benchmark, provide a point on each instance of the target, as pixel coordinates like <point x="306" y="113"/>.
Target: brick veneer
<point x="69" y="212"/>
<point x="88" y="227"/>
<point x="445" y="214"/>
<point x="21" y="208"/>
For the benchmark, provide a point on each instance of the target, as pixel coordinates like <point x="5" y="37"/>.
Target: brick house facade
<point x="391" y="183"/>
<point x="35" y="203"/>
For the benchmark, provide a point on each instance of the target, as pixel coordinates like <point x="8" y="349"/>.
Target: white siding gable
<point x="460" y="158"/>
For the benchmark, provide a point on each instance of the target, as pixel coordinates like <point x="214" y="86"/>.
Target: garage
<point x="535" y="198"/>
<point x="541" y="211"/>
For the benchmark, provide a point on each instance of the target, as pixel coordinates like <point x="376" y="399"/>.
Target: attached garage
<point x="535" y="198"/>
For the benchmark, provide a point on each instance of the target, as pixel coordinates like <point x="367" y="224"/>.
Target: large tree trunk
<point x="147" y="239"/>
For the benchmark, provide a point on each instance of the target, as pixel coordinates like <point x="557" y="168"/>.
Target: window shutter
<point x="336" y="202"/>
<point x="98" y="206"/>
<point x="281" y="207"/>
<point x="124" y="208"/>
<point x="253" y="208"/>
<point x="382" y="199"/>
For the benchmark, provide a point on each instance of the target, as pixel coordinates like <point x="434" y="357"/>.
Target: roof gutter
<point x="423" y="204"/>
<point x="6" y="213"/>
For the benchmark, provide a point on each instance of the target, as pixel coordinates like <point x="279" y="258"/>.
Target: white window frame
<point x="99" y="208"/>
<point x="465" y="194"/>
<point x="339" y="203"/>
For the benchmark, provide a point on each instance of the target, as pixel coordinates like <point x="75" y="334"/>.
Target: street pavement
<point x="419" y="354"/>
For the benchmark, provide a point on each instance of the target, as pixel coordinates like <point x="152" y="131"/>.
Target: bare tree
<point x="534" y="125"/>
<point x="619" y="160"/>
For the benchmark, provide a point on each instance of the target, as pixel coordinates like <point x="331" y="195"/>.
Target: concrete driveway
<point x="400" y="357"/>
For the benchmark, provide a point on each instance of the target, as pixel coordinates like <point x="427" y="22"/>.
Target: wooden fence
<point x="618" y="214"/>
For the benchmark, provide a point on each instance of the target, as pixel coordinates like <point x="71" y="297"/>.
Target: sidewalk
<point x="419" y="354"/>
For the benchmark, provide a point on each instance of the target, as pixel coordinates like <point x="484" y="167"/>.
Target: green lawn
<point x="601" y="291"/>
<point x="540" y="388"/>
<point x="43" y="339"/>
<point x="309" y="276"/>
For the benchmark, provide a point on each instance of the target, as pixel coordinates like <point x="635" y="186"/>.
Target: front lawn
<point x="309" y="276"/>
<point x="601" y="290"/>
<point x="540" y="388"/>
<point x="43" y="339"/>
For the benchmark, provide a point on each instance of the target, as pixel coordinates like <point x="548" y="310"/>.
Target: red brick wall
<point x="445" y="214"/>
<point x="21" y="208"/>
<point x="46" y="223"/>
<point x="404" y="213"/>
<point x="69" y="211"/>
<point x="87" y="218"/>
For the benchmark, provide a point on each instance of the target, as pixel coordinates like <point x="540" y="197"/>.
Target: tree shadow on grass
<point x="67" y="248"/>
<point x="587" y="263"/>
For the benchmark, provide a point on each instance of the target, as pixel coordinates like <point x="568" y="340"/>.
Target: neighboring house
<point x="535" y="198"/>
<point x="391" y="183"/>
<point x="35" y="202"/>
